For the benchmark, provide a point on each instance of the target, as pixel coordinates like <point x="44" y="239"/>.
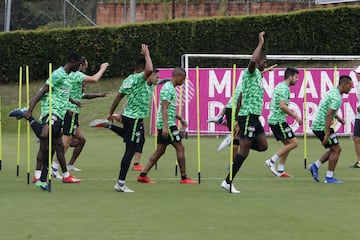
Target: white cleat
<point x="56" y="174"/>
<point x="73" y="168"/>
<point x="226" y="142"/>
<point x="122" y="188"/>
<point x="271" y="166"/>
<point x="226" y="186"/>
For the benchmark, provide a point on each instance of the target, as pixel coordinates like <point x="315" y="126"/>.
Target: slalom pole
<point x="305" y="119"/>
<point x="19" y="125"/>
<point x="232" y="125"/>
<point x="179" y="123"/>
<point x="0" y="137"/>
<point x="198" y="122"/>
<point x="28" y="124"/>
<point x="155" y="128"/>
<point x="50" y="126"/>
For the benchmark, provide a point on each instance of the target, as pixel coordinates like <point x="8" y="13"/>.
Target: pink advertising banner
<point x="215" y="90"/>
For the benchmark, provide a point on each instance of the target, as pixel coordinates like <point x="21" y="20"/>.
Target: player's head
<point x="73" y="59"/>
<point x="84" y="64"/>
<point x="291" y="75"/>
<point x="140" y="64"/>
<point x="178" y="76"/>
<point x="154" y="77"/>
<point x="345" y="84"/>
<point x="261" y="62"/>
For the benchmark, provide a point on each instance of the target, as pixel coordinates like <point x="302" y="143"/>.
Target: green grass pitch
<point x="267" y="208"/>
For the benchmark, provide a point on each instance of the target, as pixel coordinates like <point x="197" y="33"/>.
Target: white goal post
<point x="185" y="63"/>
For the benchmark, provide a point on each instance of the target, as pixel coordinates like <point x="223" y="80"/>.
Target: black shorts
<point x="71" y="123"/>
<point x="250" y="126"/>
<point x="133" y="130"/>
<point x="357" y="128"/>
<point x="56" y="123"/>
<point x="228" y="113"/>
<point x="333" y="140"/>
<point x="282" y="131"/>
<point x="174" y="136"/>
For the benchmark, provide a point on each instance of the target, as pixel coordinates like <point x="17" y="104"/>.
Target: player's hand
<point x="299" y="120"/>
<point x="342" y="121"/>
<point x="261" y="37"/>
<point x="110" y="118"/>
<point x="145" y="50"/>
<point x="183" y="124"/>
<point x="326" y="139"/>
<point x="165" y="133"/>
<point x="104" y="66"/>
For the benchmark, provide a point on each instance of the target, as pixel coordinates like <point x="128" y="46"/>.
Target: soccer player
<point x="168" y="132"/>
<point x="71" y="120"/>
<point x="277" y="121"/>
<point x="227" y="112"/>
<point x="356" y="135"/>
<point x="139" y="92"/>
<point x="119" y="130"/>
<point x="321" y="126"/>
<point x="60" y="97"/>
<point x="249" y="109"/>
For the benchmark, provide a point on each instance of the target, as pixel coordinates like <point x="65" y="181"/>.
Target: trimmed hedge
<point x="320" y="31"/>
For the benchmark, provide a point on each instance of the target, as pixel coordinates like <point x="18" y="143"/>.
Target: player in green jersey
<point x="139" y="93"/>
<point x="168" y="132"/>
<point x="60" y="97"/>
<point x="71" y="128"/>
<point x="321" y="126"/>
<point x="248" y="110"/>
<point x="277" y="121"/>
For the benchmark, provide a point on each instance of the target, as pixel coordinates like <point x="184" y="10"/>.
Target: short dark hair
<point x="140" y="63"/>
<point x="73" y="57"/>
<point x="178" y="71"/>
<point x="290" y="72"/>
<point x="344" y="79"/>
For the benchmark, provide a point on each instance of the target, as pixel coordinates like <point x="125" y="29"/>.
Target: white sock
<point x="281" y="167"/>
<point x="37" y="173"/>
<point x="274" y="158"/>
<point x="121" y="182"/>
<point x="66" y="174"/>
<point x="318" y="163"/>
<point x="329" y="174"/>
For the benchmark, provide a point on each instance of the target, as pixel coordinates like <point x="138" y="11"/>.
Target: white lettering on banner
<point x="326" y="82"/>
<point x="214" y="108"/>
<point x="310" y="86"/>
<point x="216" y="86"/>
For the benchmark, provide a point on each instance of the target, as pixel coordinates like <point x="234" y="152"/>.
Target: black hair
<point x="73" y="57"/>
<point x="290" y="72"/>
<point x="344" y="79"/>
<point x="140" y="63"/>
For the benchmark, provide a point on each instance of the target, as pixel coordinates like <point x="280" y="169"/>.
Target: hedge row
<point x="321" y="31"/>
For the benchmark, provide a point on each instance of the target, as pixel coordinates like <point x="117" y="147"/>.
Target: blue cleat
<point x="42" y="185"/>
<point x="18" y="113"/>
<point x="332" y="180"/>
<point x="314" y="171"/>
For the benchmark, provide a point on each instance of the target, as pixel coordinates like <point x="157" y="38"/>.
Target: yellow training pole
<point x="19" y="125"/>
<point x="305" y="118"/>
<point x="179" y="123"/>
<point x="50" y="126"/>
<point x="28" y="124"/>
<point x="232" y="124"/>
<point x="198" y="122"/>
<point x="0" y="138"/>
